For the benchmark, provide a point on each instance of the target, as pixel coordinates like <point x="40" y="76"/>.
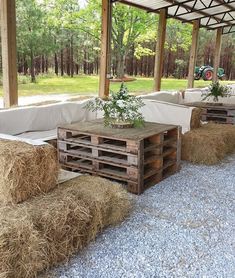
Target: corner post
<point x="105" y="48"/>
<point x="217" y="53"/>
<point x="9" y="60"/>
<point x="158" y="68"/>
<point x="193" y="53"/>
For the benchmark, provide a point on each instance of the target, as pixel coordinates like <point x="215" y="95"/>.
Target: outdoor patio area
<point x="117" y="139"/>
<point x="182" y="227"/>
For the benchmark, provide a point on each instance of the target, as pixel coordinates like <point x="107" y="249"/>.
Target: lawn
<point x="89" y="85"/>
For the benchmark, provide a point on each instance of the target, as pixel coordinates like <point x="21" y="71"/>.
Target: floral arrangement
<point x="120" y="109"/>
<point x="216" y="90"/>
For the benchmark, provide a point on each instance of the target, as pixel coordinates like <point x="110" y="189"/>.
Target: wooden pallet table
<point x="223" y="114"/>
<point x="138" y="157"/>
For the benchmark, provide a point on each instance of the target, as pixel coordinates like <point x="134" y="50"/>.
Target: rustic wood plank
<point x="97" y="128"/>
<point x="218" y="44"/>
<point x="193" y="53"/>
<point x="105" y="48"/>
<point x="9" y="61"/>
<point x="159" y="58"/>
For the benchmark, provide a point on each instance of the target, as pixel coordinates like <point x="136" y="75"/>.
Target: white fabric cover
<point x="41" y="118"/>
<point x="195" y="95"/>
<point x="167" y="113"/>
<point x="16" y="138"/>
<point x="40" y="135"/>
<point x="167" y="96"/>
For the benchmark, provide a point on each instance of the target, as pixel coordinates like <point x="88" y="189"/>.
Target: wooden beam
<point x="105" y="48"/>
<point x="217" y="53"/>
<point x="9" y="62"/>
<point x="158" y="69"/>
<point x="193" y="53"/>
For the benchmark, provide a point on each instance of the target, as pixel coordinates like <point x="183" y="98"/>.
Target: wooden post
<point x="9" y="64"/>
<point x="160" y="49"/>
<point x="105" y="48"/>
<point x="193" y="53"/>
<point x="217" y="53"/>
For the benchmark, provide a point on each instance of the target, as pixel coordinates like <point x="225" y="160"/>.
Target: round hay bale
<point x="208" y="144"/>
<point x="50" y="228"/>
<point x="26" y="170"/>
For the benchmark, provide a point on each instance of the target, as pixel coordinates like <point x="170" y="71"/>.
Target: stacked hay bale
<point x="49" y="228"/>
<point x="26" y="170"/>
<point x="208" y="144"/>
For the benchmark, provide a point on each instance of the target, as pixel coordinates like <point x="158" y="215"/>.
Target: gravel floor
<point x="183" y="227"/>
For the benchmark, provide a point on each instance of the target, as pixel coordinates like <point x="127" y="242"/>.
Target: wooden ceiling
<point x="212" y="14"/>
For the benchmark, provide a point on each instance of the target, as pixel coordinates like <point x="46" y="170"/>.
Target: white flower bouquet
<point x="120" y="110"/>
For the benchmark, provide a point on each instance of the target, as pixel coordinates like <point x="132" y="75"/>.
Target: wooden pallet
<point x="223" y="114"/>
<point x="218" y="118"/>
<point x="139" y="158"/>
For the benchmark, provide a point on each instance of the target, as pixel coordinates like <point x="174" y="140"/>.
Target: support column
<point x="158" y="69"/>
<point x="217" y="53"/>
<point x="105" y="49"/>
<point x="9" y="61"/>
<point x="193" y="53"/>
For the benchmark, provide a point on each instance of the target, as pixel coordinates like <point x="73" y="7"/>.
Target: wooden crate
<point x="139" y="157"/>
<point x="220" y="114"/>
<point x="223" y="114"/>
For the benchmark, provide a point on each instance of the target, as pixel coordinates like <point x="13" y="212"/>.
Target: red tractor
<point x="206" y="72"/>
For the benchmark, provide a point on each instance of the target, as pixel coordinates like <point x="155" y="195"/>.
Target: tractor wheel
<point x="207" y="74"/>
<point x="197" y="77"/>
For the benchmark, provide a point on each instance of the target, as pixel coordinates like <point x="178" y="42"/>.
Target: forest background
<point x="62" y="38"/>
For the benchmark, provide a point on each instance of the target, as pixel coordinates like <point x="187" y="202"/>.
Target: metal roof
<point x="212" y="14"/>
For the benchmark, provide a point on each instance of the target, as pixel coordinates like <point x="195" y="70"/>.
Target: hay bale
<point x="196" y="118"/>
<point x="26" y="170"/>
<point x="208" y="144"/>
<point x="50" y="228"/>
<point x="21" y="247"/>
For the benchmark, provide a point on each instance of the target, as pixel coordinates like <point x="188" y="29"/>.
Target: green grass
<point x="89" y="85"/>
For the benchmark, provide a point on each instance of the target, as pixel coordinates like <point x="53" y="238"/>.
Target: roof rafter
<point x="212" y="14"/>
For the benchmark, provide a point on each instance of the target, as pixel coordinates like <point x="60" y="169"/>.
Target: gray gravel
<point x="183" y="227"/>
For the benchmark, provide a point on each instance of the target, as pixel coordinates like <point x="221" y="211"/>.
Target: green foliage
<point x="178" y="35"/>
<point x="216" y="90"/>
<point x="180" y="68"/>
<point x="119" y="108"/>
<point x="23" y="79"/>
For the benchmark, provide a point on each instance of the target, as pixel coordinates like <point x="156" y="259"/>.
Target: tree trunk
<point x="25" y="66"/>
<point x="68" y="61"/>
<point x="46" y="64"/>
<point x="62" y="62"/>
<point x="56" y="64"/>
<point x="77" y="68"/>
<point x="71" y="58"/>
<point x="43" y="64"/>
<point x="120" y="66"/>
<point x="32" y="71"/>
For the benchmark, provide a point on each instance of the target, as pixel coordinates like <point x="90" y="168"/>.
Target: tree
<point x="128" y="25"/>
<point x="32" y="34"/>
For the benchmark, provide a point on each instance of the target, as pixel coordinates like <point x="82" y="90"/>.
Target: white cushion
<point x="42" y="118"/>
<point x="167" y="113"/>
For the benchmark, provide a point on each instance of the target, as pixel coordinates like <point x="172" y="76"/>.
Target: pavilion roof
<point x="212" y="14"/>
